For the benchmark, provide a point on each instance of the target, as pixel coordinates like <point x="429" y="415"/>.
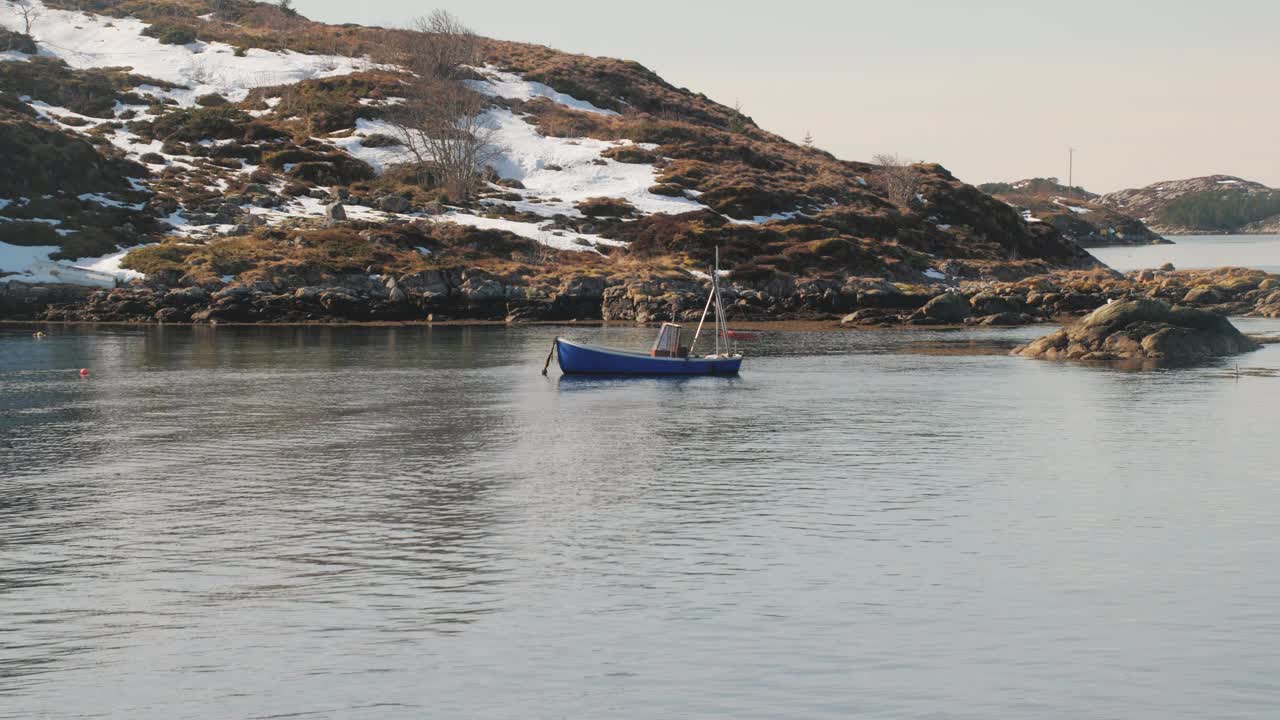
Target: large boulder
<point x="1202" y="295"/>
<point x="947" y="308"/>
<point x="1143" y="330"/>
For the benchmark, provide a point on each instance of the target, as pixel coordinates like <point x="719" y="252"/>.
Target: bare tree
<point x="28" y="12"/>
<point x="737" y="121"/>
<point x="900" y="178"/>
<point x="442" y="124"/>
<point x="438" y="45"/>
<point x="447" y="134"/>
<point x="808" y="139"/>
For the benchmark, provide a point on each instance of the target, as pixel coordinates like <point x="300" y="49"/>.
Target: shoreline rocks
<point x="1143" y="330"/>
<point x="476" y="294"/>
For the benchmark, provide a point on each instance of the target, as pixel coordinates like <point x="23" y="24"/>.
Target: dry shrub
<point x="900" y="178"/>
<point x="606" y="207"/>
<point x="632" y="154"/>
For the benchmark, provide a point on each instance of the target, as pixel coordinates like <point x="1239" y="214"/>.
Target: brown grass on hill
<point x="327" y="104"/>
<point x="597" y="207"/>
<point x="317" y="255"/>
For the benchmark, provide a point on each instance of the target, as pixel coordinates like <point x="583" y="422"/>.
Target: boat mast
<point x="722" y="327"/>
<point x="715" y="294"/>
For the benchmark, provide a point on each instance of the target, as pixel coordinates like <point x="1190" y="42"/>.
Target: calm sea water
<point x="412" y="522"/>
<point x="1192" y="252"/>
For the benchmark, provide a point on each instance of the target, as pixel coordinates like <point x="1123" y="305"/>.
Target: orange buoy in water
<point x="84" y="372"/>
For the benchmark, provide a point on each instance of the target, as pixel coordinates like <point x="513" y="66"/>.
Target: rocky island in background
<point x="1215" y="204"/>
<point x="1073" y="211"/>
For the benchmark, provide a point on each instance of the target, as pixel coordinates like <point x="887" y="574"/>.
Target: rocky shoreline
<point x="443" y="295"/>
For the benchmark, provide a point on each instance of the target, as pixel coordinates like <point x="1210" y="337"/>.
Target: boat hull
<point x="580" y="359"/>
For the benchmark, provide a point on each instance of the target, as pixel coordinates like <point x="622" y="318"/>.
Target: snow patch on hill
<point x="558" y="239"/>
<point x="31" y="264"/>
<point x="378" y="158"/>
<point x="511" y="86"/>
<point x="90" y="41"/>
<point x="560" y="172"/>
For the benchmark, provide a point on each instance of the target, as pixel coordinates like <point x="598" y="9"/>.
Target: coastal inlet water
<point x="1195" y="252"/>
<point x="359" y="522"/>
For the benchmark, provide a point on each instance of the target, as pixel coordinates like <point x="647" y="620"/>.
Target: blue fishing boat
<point x="668" y="356"/>
<point x="582" y="359"/>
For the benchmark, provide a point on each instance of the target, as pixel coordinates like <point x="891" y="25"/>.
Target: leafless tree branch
<point x="900" y="178"/>
<point x="29" y="14"/>
<point x="447" y="134"/>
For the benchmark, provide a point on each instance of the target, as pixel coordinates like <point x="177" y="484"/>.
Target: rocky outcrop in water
<point x="1143" y="330"/>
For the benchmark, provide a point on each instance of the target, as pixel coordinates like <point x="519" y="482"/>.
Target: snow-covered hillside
<point x="84" y="40"/>
<point x="241" y="144"/>
<point x="553" y="174"/>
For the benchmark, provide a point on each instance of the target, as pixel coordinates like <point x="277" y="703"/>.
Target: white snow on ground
<point x="529" y="157"/>
<point x="934" y="274"/>
<point x="87" y="41"/>
<point x="14" y="56"/>
<point x="108" y="202"/>
<point x="32" y="265"/>
<point x="109" y="264"/>
<point x="379" y="158"/>
<point x="1228" y="182"/>
<point x="558" y="239"/>
<point x="762" y="219"/>
<point x="17" y="258"/>
<point x="513" y="87"/>
<point x="1072" y="208"/>
<point x="1026" y="215"/>
<point x="707" y="276"/>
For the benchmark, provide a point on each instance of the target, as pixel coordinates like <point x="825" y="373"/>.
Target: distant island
<point x="1205" y="205"/>
<point x="1073" y="211"/>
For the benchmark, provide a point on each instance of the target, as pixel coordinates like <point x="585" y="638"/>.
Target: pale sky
<point x="1146" y="90"/>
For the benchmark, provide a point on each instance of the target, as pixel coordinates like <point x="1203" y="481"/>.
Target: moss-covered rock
<point x="1143" y="330"/>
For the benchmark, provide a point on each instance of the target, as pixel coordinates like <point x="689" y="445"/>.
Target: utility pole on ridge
<point x="1071" y="171"/>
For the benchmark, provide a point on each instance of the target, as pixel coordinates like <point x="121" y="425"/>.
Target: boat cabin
<point x="668" y="342"/>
